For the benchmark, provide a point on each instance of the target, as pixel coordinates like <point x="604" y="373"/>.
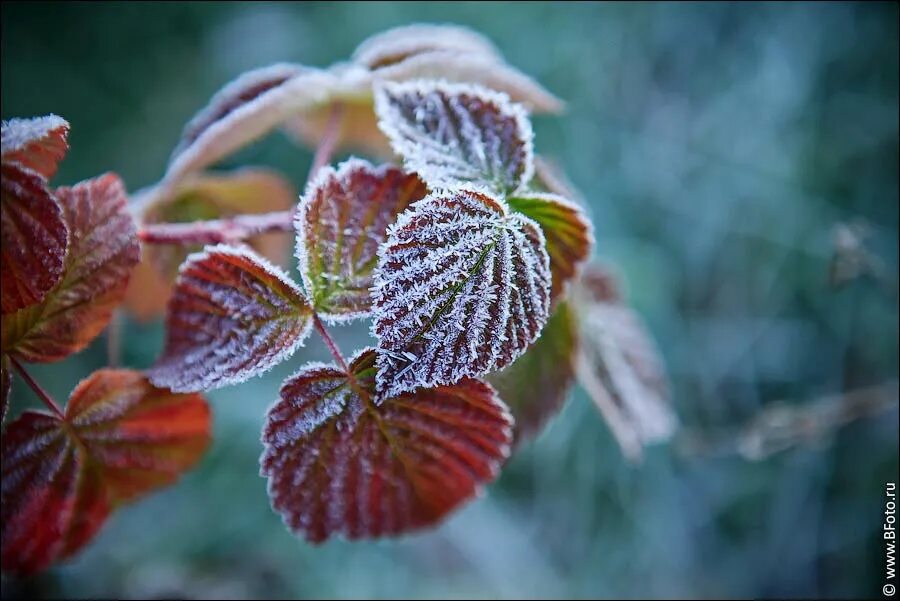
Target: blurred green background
<point x="718" y="146"/>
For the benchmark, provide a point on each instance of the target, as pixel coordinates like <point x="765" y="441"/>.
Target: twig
<point x="38" y="390"/>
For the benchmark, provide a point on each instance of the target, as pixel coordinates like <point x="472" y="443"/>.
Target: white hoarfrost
<point x="454" y="134"/>
<point x="232" y="315"/>
<point x="462" y="288"/>
<point x="19" y="133"/>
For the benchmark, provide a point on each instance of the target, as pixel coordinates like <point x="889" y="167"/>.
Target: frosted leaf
<point x="536" y="385"/>
<point x="342" y="219"/>
<point x="452" y="134"/>
<point x="204" y="196"/>
<point x="34" y="238"/>
<point x="5" y="386"/>
<point x="233" y="315"/>
<point x="102" y="253"/>
<point x="338" y="464"/>
<point x="568" y="232"/>
<point x="244" y="110"/>
<point x="462" y="288"/>
<point x="37" y="144"/>
<point x="120" y="438"/>
<point x="619" y="366"/>
<point x="399" y="43"/>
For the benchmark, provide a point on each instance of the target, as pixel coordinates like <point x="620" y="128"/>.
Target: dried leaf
<point x="5" y="386"/>
<point x="34" y="238"/>
<point x="342" y="219"/>
<point x="452" y="134"/>
<point x="568" y="232"/>
<point x="120" y="438"/>
<point x="244" y="110"/>
<point x="199" y="197"/>
<point x="338" y="464"/>
<point x="233" y="315"/>
<point x="536" y="385"/>
<point x="103" y="251"/>
<point x="462" y="288"/>
<point x="399" y="43"/>
<point x="619" y="366"/>
<point x="37" y="144"/>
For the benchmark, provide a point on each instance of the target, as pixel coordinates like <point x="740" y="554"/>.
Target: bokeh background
<point x="718" y="147"/>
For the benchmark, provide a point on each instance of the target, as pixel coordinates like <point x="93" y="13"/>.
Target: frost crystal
<point x="37" y="144"/>
<point x="337" y="464"/>
<point x="341" y="221"/>
<point x="451" y="134"/>
<point x="462" y="288"/>
<point x="232" y="316"/>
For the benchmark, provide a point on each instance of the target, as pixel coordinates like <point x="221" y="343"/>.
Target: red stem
<point x="44" y="396"/>
<point x="241" y="227"/>
<point x="215" y="231"/>
<point x="329" y="140"/>
<point x="330" y="343"/>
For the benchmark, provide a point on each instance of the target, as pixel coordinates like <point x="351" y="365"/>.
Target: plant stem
<point x="329" y="140"/>
<point x="232" y="229"/>
<point x="241" y="227"/>
<point x="44" y="396"/>
<point x="329" y="342"/>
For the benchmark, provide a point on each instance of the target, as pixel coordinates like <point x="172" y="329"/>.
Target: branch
<point x="214" y="231"/>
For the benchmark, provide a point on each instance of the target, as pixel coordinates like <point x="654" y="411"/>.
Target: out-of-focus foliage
<point x="717" y="147"/>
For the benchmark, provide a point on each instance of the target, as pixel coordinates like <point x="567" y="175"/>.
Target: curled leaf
<point x="567" y="230"/>
<point x="102" y="252"/>
<point x="452" y="134"/>
<point x="621" y="369"/>
<point x="34" y="238"/>
<point x="203" y="197"/>
<point x="37" y="144"/>
<point x="338" y="464"/>
<point x="342" y="219"/>
<point x="233" y="315"/>
<point x="244" y="110"/>
<point x="462" y="288"/>
<point x="400" y="43"/>
<point x="119" y="439"/>
<point x="536" y="385"/>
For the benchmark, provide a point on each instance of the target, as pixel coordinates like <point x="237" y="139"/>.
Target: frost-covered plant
<point x="465" y="258"/>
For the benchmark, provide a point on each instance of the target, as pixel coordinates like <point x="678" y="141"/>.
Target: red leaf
<point x="342" y="220"/>
<point x="567" y="230"/>
<point x="536" y="385"/>
<point x="103" y="251"/>
<point x="453" y="134"/>
<point x="38" y="144"/>
<point x="232" y="316"/>
<point x="340" y="465"/>
<point x="33" y="236"/>
<point x="119" y="438"/>
<point x="462" y="288"/>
